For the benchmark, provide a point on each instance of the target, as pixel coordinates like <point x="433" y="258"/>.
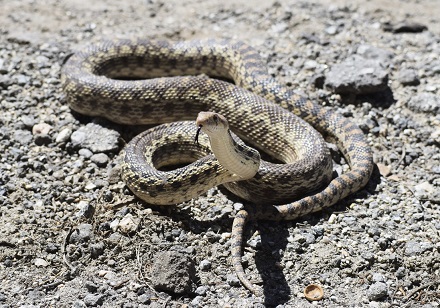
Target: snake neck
<point x="234" y="155"/>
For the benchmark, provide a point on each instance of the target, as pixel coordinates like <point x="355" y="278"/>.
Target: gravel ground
<point x="71" y="234"/>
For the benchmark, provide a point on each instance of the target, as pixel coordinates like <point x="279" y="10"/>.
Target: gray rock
<point x="93" y="300"/>
<point x="86" y="209"/>
<point x="101" y="183"/>
<point x="35" y="294"/>
<point x="97" y="249"/>
<point x="5" y="82"/>
<point x="400" y="272"/>
<point x="424" y="190"/>
<point x="90" y="286"/>
<point x="357" y="75"/>
<point x="331" y="30"/>
<point x="96" y="138"/>
<point x="79" y="304"/>
<point x="42" y="61"/>
<point x="128" y="224"/>
<point x="144" y="299"/>
<point x="21" y="79"/>
<point x="415" y="248"/>
<point x="8" y="263"/>
<point x="232" y="280"/>
<point x="408" y="77"/>
<point x="309" y="238"/>
<point x="28" y="121"/>
<point x="197" y="301"/>
<point x="425" y="102"/>
<point x="78" y="137"/>
<point x="115" y="239"/>
<point x="23" y="136"/>
<point x="201" y="290"/>
<point x="368" y="256"/>
<point x="64" y="135"/>
<point x="205" y="265"/>
<point x="377" y="290"/>
<point x="173" y="271"/>
<point x="83" y="233"/>
<point x="86" y="153"/>
<point x="51" y="248"/>
<point x="100" y="159"/>
<point x="41" y="128"/>
<point x="22" y="38"/>
<point x="255" y="242"/>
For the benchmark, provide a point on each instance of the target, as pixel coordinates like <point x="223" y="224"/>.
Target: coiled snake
<point x="124" y="81"/>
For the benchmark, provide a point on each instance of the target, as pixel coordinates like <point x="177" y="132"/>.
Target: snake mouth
<point x="196" y="138"/>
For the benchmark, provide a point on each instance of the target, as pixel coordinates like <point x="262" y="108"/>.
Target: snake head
<point x="211" y="123"/>
<point x="234" y="155"/>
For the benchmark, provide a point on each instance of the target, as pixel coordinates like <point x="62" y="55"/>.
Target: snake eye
<point x="215" y="117"/>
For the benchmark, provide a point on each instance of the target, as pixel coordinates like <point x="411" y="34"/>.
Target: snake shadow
<point x="381" y="99"/>
<point x="269" y="252"/>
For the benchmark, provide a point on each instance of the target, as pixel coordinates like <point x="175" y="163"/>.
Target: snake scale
<point x="152" y="82"/>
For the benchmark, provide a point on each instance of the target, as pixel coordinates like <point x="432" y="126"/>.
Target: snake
<point x="142" y="81"/>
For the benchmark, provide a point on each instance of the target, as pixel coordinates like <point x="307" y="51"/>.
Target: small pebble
<point x="408" y="77"/>
<point x="425" y="102"/>
<point x="415" y="248"/>
<point x="51" y="248"/>
<point x="197" y="301"/>
<point x="233" y="280"/>
<point x="144" y="299"/>
<point x="41" y="129"/>
<point x="201" y="290"/>
<point x="86" y="209"/>
<point x="8" y="263"/>
<point x="29" y="121"/>
<point x="86" y="153"/>
<point x="63" y="136"/>
<point x="96" y="138"/>
<point x="377" y="290"/>
<point x="111" y="263"/>
<point x="79" y="304"/>
<point x="81" y="234"/>
<point x="205" y="265"/>
<point x="90" y="286"/>
<point x="97" y="249"/>
<point x="128" y="224"/>
<point x="100" y="159"/>
<point x="39" y="262"/>
<point x="94" y="300"/>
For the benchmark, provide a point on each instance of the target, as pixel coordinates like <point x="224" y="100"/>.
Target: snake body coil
<point x="124" y="81"/>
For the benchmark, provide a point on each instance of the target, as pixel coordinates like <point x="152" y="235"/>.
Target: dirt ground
<point x="73" y="235"/>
